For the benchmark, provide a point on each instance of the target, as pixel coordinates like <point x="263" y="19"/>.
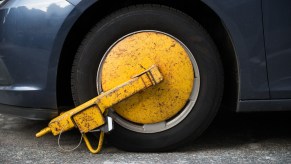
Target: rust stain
<point x="143" y="50"/>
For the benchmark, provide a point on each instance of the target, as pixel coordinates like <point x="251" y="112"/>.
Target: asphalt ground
<point x="231" y="138"/>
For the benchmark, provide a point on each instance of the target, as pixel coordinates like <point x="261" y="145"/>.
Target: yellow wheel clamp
<point x="91" y="115"/>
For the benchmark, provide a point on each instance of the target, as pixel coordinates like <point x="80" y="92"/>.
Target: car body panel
<point x="243" y="20"/>
<point x="74" y="2"/>
<point x="277" y="29"/>
<point x="27" y="36"/>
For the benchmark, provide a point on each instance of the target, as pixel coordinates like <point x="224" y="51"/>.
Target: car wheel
<point x="135" y="30"/>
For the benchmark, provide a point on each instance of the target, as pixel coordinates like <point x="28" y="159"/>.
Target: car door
<point x="277" y="32"/>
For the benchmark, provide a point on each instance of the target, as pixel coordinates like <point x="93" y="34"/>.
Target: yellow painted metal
<point x="43" y="132"/>
<point x="138" y="51"/>
<point x="89" y="146"/>
<point x="89" y="115"/>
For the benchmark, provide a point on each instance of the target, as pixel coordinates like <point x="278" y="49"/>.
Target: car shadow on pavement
<point x="249" y="130"/>
<point x="228" y="131"/>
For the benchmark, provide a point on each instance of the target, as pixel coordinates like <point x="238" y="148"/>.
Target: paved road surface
<point x="232" y="138"/>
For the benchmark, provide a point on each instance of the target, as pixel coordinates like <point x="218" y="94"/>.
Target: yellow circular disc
<point x="137" y="52"/>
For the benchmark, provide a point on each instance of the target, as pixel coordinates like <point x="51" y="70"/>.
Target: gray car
<point x="52" y="53"/>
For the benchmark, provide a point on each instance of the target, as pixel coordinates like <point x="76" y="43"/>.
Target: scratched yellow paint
<point x="89" y="115"/>
<point x="132" y="55"/>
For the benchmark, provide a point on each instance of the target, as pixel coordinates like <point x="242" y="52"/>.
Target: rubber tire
<point x="179" y="25"/>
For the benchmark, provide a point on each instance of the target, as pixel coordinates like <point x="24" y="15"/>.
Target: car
<point x="229" y="55"/>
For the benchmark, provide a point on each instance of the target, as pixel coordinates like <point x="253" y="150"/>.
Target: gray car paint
<point x="243" y="19"/>
<point x="27" y="36"/>
<point x="277" y="29"/>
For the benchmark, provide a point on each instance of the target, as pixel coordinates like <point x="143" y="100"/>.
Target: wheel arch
<point x="87" y="15"/>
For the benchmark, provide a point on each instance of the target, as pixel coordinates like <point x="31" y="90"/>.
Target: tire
<point x="177" y="24"/>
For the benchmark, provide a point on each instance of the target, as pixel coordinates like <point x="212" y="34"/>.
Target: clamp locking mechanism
<point x="92" y="114"/>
